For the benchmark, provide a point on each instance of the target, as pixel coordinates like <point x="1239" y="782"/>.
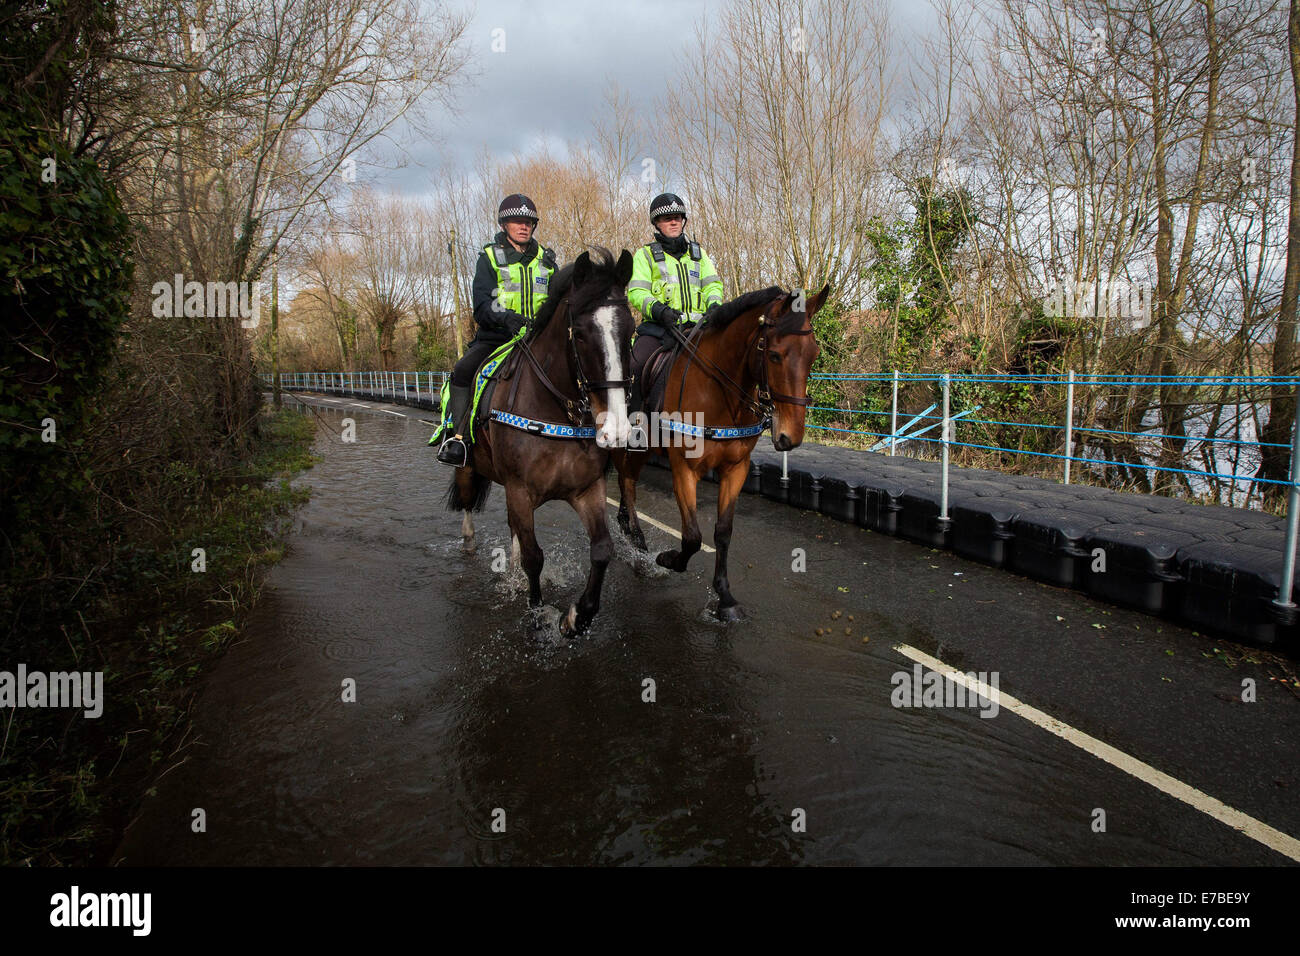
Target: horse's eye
<point x="773" y="357"/>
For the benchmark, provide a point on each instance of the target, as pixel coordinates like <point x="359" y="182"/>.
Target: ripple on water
<point x="350" y="649"/>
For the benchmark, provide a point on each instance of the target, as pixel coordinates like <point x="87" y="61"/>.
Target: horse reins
<point x="580" y="409"/>
<point x="765" y="403"/>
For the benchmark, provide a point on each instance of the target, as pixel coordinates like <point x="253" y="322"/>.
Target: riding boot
<point x="455" y="448"/>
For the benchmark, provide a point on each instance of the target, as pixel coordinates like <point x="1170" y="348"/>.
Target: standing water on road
<point x="659" y="736"/>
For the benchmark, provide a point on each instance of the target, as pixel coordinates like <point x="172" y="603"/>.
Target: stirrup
<point x="453" y="452"/>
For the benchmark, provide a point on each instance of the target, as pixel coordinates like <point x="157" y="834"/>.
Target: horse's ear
<point x="815" y="304"/>
<point x="623" y="272"/>
<point x="581" y="269"/>
<point x="777" y="307"/>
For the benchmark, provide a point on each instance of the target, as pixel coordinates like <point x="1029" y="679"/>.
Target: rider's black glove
<point x="708" y="313"/>
<point x="664" y="315"/>
<point x="514" y="322"/>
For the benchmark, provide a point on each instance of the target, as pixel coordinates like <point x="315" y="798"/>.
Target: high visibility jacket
<point x="521" y="286"/>
<point x="689" y="284"/>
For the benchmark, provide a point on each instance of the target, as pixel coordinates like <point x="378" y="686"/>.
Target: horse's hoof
<point x="638" y="541"/>
<point x="732" y="614"/>
<point x="469" y="545"/>
<point x="667" y="559"/>
<point x="569" y="626"/>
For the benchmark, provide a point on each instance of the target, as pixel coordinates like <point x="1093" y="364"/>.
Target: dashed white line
<point x="1257" y="830"/>
<point x="641" y="515"/>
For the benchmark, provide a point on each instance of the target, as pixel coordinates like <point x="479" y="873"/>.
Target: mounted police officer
<point x="673" y="280"/>
<point x="511" y="282"/>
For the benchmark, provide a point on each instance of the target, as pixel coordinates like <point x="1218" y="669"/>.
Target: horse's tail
<point x="476" y="492"/>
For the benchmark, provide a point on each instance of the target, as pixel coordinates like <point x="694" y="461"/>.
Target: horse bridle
<point x="578" y="411"/>
<point x="768" y="398"/>
<point x="766" y="401"/>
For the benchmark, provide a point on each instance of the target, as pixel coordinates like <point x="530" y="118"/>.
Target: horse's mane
<point x="603" y="276"/>
<point x="726" y="313"/>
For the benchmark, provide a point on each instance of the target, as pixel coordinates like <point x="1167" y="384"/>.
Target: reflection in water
<point x="605" y="777"/>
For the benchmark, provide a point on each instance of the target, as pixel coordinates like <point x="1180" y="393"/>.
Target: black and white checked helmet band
<point x="517" y="205"/>
<point x="666" y="204"/>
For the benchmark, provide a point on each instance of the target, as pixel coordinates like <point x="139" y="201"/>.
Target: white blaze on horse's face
<point x="614" y="426"/>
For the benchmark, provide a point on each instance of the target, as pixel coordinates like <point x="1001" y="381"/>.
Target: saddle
<point x="499" y="366"/>
<point x="651" y="380"/>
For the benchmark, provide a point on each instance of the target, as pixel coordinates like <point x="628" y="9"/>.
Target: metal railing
<point x="425" y="386"/>
<point x="406" y="386"/>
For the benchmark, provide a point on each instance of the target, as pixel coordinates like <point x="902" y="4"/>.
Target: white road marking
<point x="1257" y="830"/>
<point x="642" y="516"/>
<point x="373" y="409"/>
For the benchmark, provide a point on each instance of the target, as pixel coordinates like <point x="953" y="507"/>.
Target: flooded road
<point x="463" y="720"/>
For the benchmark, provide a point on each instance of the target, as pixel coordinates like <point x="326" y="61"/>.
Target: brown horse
<point x="751" y="359"/>
<point x="575" y="362"/>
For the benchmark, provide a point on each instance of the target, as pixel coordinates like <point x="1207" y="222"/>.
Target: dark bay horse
<point x="751" y="359"/>
<point x="573" y="365"/>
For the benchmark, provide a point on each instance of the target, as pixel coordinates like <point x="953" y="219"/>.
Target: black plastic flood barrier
<point x="1231" y="588"/>
<point x="919" y="519"/>
<point x="770" y="483"/>
<point x="1270" y="539"/>
<point x="981" y="528"/>
<point x="1114" y="510"/>
<point x="1137" y="567"/>
<point x="1194" y="523"/>
<point x="1049" y="545"/>
<point x="803" y="490"/>
<point x="881" y="506"/>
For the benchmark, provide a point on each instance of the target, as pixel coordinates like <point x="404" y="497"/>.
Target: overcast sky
<point x="549" y="84"/>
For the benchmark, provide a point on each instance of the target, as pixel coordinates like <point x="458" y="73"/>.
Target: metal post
<point x="1069" y="423"/>
<point x="947" y="431"/>
<point x="893" y="421"/>
<point x="1283" y="598"/>
<point x="403" y="386"/>
<point x="785" y="465"/>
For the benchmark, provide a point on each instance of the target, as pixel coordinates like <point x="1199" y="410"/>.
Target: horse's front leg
<point x="590" y="505"/>
<point x="684" y="481"/>
<point x="732" y="480"/>
<point x="519" y="511"/>
<point x="629" y="466"/>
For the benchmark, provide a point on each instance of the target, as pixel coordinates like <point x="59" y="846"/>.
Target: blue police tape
<point x="713" y="433"/>
<point x="546" y="429"/>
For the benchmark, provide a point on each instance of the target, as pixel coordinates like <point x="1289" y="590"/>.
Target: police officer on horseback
<point x="674" y="282"/>
<point x="511" y="281"/>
